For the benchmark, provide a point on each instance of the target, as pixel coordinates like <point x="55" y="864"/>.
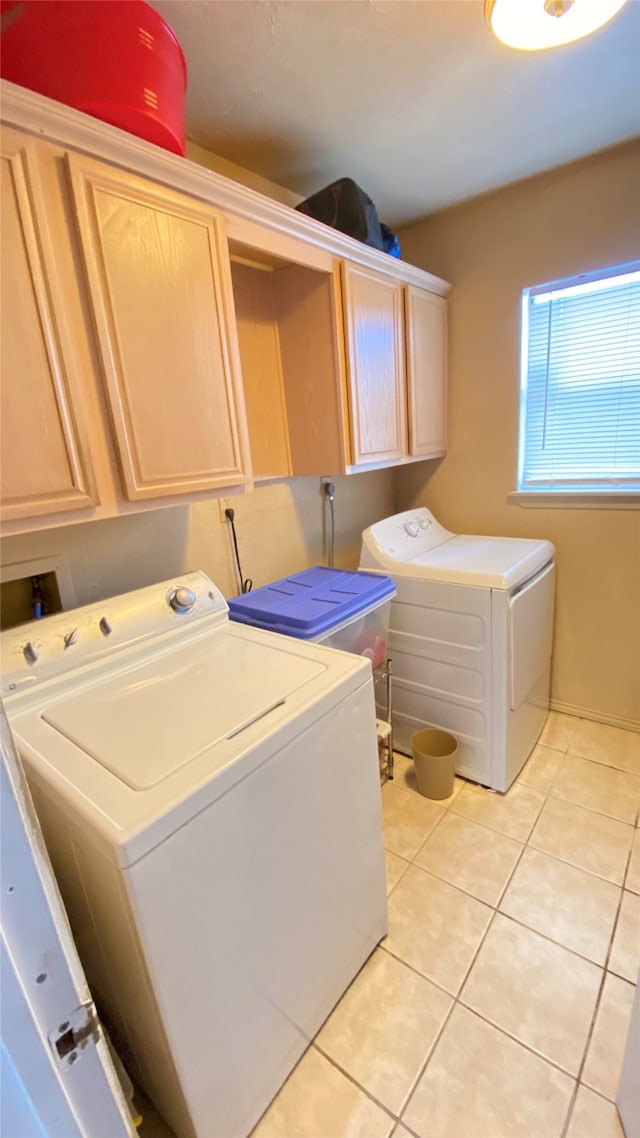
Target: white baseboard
<point x="596" y="716"/>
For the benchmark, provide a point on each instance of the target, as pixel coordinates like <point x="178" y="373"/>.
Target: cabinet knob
<point x="182" y="599"/>
<point x="30" y="652"/>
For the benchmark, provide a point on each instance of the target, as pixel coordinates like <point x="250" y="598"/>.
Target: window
<point x="580" y="387"/>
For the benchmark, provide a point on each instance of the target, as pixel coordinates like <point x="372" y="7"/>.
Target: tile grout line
<point x="416" y="971"/>
<point x="458" y="888"/>
<point x="605" y="766"/>
<point x="605" y="970"/>
<point x="395" y="1118"/>
<point x="454" y="1005"/>
<point x="525" y="1046"/>
<point x="421" y="1070"/>
<point x="603" y="763"/>
<point x="440" y="1032"/>
<point x="557" y="943"/>
<point x="570" y="1109"/>
<point x="600" y="813"/>
<point x="457" y="999"/>
<point x="509" y="917"/>
<point x="465" y="892"/>
<point x="547" y="795"/>
<point x="474" y="1011"/>
<point x="574" y="865"/>
<point x="496" y="906"/>
<point x="467" y="818"/>
<point x="596" y="1010"/>
<point x="596" y="1006"/>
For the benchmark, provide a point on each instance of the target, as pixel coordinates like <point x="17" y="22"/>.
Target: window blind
<point x="580" y="385"/>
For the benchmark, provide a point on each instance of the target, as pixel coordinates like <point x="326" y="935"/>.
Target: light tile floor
<point x="498" y="1006"/>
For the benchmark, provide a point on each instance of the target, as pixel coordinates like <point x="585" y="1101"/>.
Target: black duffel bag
<point x="346" y="207"/>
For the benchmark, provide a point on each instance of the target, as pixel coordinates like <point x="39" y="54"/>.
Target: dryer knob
<point x="182" y="599"/>
<point x="412" y="529"/>
<point x="105" y="626"/>
<point x="30" y="652"/>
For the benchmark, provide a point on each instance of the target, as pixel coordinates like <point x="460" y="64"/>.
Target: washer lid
<point x="147" y="722"/>
<point x="486" y="562"/>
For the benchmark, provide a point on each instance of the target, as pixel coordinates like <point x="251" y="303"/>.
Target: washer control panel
<point x="44" y="648"/>
<point x="181" y="599"/>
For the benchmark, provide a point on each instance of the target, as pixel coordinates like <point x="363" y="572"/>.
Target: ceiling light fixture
<point x="533" y="25"/>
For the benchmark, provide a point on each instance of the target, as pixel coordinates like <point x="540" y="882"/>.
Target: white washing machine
<point x="209" y="795"/>
<point x="469" y="638"/>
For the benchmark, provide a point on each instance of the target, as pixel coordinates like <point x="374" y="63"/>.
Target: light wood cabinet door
<point x="426" y="323"/>
<point x="159" y="279"/>
<point x="373" y="319"/>
<point x="45" y="466"/>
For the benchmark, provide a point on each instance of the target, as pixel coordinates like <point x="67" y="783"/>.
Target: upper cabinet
<point x="158" y="275"/>
<point x="344" y="366"/>
<point x="396" y="362"/>
<point x="166" y="329"/>
<point x="426" y="338"/>
<point x="46" y="465"/>
<point x="375" y="364"/>
<point x="121" y="381"/>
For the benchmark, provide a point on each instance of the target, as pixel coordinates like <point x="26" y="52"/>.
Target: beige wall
<point x="240" y="174"/>
<point x="280" y="525"/>
<point x="576" y="218"/>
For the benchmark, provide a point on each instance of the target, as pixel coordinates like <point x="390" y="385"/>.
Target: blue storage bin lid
<point x="311" y="603"/>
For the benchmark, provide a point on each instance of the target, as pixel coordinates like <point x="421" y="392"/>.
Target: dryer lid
<point x="486" y="562"/>
<point x="153" y="719"/>
<point x="413" y="544"/>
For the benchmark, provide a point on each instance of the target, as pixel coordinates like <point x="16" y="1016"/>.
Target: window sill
<point x="576" y="499"/>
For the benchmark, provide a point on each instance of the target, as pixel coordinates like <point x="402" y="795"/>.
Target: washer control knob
<point x="412" y="529"/>
<point x="71" y="637"/>
<point x="30" y="652"/>
<point x="424" y="523"/>
<point x="181" y="599"/>
<point x="105" y="626"/>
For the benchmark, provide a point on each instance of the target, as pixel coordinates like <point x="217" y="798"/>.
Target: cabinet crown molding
<point x="67" y="127"/>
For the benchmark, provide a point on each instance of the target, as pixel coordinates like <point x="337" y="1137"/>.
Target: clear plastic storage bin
<point x="335" y="607"/>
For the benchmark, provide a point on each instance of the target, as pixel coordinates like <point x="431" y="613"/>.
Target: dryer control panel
<point x="403" y="537"/>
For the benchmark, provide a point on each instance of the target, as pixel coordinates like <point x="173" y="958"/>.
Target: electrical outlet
<point x="223" y="504"/>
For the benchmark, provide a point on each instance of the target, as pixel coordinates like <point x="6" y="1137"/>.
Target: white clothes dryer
<point x="470" y="638"/>
<point x="209" y="795"/>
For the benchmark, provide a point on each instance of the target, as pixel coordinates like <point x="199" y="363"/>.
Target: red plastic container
<point x="115" y="59"/>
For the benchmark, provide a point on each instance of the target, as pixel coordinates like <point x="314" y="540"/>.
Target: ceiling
<point x="414" y="99"/>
